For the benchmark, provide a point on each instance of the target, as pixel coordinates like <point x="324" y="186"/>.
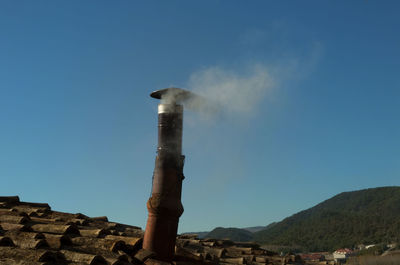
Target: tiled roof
<point x="344" y="251"/>
<point x="32" y="233"/>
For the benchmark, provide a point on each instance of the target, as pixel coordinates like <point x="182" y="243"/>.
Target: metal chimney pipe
<point x="164" y="205"/>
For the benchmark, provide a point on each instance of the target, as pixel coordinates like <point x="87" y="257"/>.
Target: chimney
<point x="164" y="205"/>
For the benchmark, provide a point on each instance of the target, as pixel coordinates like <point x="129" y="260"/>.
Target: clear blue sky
<point x="78" y="128"/>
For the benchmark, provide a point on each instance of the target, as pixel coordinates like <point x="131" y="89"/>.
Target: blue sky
<point x="78" y="128"/>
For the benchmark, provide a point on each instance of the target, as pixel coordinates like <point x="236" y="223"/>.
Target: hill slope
<point x="235" y="234"/>
<point x="347" y="219"/>
<point x="254" y="229"/>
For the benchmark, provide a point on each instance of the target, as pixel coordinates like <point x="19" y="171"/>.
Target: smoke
<point x="218" y="91"/>
<point x="229" y="92"/>
<point x="228" y="98"/>
<point x="238" y="92"/>
<point x="174" y="95"/>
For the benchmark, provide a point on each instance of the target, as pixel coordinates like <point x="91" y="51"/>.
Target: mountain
<point x="226" y="233"/>
<point x="254" y="229"/>
<point x="201" y="235"/>
<point x="350" y="218"/>
<point x="234" y="234"/>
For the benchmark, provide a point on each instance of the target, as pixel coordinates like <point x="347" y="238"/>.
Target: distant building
<point x="392" y="245"/>
<point x="342" y="254"/>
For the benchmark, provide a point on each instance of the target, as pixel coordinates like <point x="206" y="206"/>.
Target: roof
<point x="343" y="251"/>
<point x="32" y="233"/>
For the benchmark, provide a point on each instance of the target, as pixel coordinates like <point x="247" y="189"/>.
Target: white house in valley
<point x="342" y="254"/>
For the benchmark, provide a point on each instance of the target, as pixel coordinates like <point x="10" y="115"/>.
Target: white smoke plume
<point x="230" y="92"/>
<point x="218" y="91"/>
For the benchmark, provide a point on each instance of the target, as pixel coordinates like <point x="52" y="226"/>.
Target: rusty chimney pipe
<point x="165" y="205"/>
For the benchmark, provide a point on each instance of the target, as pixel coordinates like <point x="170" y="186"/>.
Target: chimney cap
<point x="174" y="94"/>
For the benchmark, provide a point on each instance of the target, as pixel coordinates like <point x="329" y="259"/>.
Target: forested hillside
<point x="350" y="218"/>
<point x="235" y="234"/>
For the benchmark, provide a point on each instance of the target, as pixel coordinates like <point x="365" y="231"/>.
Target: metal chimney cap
<point x="176" y="94"/>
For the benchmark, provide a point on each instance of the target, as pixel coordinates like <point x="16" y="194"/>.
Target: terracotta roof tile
<point x="144" y="254"/>
<point x="29" y="255"/>
<point x="31" y="243"/>
<point x="100" y="218"/>
<point x="15" y="227"/>
<point x="133" y="241"/>
<point x="13" y="218"/>
<point x="9" y="199"/>
<point x="99" y="243"/>
<point x="84" y="258"/>
<point x="56" y="229"/>
<point x="215" y="252"/>
<point x="96" y="232"/>
<point x="6" y="241"/>
<point x="58" y="241"/>
<point x="237" y="260"/>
